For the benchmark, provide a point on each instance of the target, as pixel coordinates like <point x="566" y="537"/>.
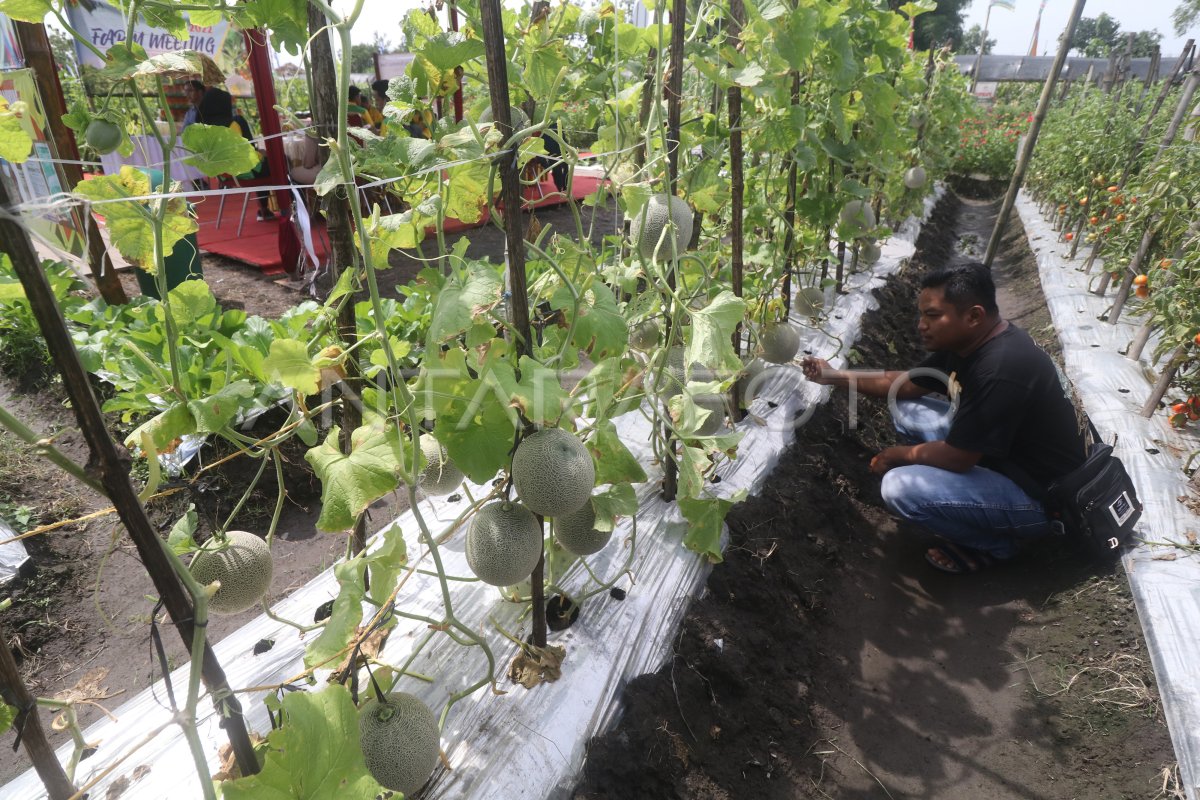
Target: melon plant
<point x="915" y="178"/>
<point x="647" y="227"/>
<point x="553" y="472"/>
<point x="400" y="741"/>
<point x="577" y="533"/>
<point x="102" y="136"/>
<point x="519" y="118"/>
<point x="779" y="343"/>
<point x="504" y="543"/>
<point x="857" y="217"/>
<point x="869" y="253"/>
<point x="439" y="476"/>
<point x="243" y="566"/>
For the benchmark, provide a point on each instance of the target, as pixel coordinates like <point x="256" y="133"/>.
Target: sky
<point x="1013" y="30"/>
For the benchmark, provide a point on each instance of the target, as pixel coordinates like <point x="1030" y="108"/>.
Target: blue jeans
<point x="979" y="508"/>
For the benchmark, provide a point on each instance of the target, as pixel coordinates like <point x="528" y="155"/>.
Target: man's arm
<point x="930" y="454"/>
<point x="873" y="383"/>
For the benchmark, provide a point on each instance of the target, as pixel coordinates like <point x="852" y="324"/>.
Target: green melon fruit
<point x="779" y="343"/>
<point x="673" y="377"/>
<point x="519" y="118"/>
<point x="644" y="335"/>
<point x="915" y="178"/>
<point x="553" y="472"/>
<point x="102" y="136"/>
<point x="647" y="226"/>
<point x="400" y="741"/>
<point x="857" y="217"/>
<point x="504" y="543"/>
<point x="869" y="253"/>
<point x="243" y="567"/>
<point x="577" y="533"/>
<point x="750" y="383"/>
<point x="439" y="476"/>
<point x="810" y="301"/>
<point x="715" y="421"/>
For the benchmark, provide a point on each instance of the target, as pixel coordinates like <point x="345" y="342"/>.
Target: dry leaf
<point x="1165" y="557"/>
<point x="537" y="665"/>
<point x="369" y="649"/>
<point x="87" y="688"/>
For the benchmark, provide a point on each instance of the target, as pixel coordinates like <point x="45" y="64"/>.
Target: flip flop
<point x="963" y="560"/>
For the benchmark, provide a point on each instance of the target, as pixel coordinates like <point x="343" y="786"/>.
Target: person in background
<point x="380" y="89"/>
<point x="216" y="108"/>
<point x="369" y="116"/>
<point x="193" y="90"/>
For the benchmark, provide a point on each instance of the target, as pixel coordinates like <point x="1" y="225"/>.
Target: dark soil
<point x="827" y="659"/>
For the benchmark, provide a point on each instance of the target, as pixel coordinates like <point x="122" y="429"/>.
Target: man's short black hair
<point x="354" y="92"/>
<point x="197" y="85"/>
<point x="965" y="285"/>
<point x="381" y="86"/>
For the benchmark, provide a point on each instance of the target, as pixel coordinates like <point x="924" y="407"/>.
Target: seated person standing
<point x="972" y="470"/>
<point x="216" y="108"/>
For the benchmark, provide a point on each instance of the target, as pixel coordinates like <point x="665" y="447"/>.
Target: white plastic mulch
<point x="524" y="743"/>
<point x="1165" y="580"/>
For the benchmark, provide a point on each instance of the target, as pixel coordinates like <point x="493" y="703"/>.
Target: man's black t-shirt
<point x="1011" y="407"/>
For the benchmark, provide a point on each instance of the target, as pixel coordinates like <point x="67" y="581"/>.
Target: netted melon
<point x="810" y="300"/>
<point x="243" y="567"/>
<point x="518" y="117"/>
<point x="869" y="253"/>
<point x="915" y="178"/>
<point x="673" y="376"/>
<point x="779" y="343"/>
<point x="752" y="381"/>
<point x="644" y="335"/>
<point x="400" y="741"/>
<point x="577" y="533"/>
<point x="504" y="543"/>
<point x="857" y="217"/>
<point x="439" y="476"/>
<point x="714" y="404"/>
<point x="648" y="228"/>
<point x="553" y="472"/>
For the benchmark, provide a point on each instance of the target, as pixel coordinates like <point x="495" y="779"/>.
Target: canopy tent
<point x="1035" y="69"/>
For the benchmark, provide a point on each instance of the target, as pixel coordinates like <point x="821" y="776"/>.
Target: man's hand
<point x="890" y="457"/>
<point x="817" y="370"/>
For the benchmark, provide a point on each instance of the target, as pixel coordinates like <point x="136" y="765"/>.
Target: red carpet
<point x="258" y="243"/>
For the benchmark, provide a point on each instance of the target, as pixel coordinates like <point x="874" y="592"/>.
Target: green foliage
<point x="23" y="351"/>
<point x="988" y="142"/>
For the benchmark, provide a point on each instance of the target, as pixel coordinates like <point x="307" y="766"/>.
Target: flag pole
<point x="987" y="20"/>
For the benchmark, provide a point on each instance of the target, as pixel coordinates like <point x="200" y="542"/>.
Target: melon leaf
<point x="712" y="333"/>
<point x="618" y="500"/>
<point x="614" y="463"/>
<point x="217" y="149"/>
<point x="290" y="365"/>
<point x="706" y="519"/>
<point x="7" y="715"/>
<point x="129" y="224"/>
<point x="344" y="619"/>
<point x="350" y="483"/>
<point x="314" y="756"/>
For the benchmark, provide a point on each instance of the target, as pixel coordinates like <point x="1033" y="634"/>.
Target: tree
<point x="362" y="56"/>
<point x="970" y="41"/>
<point x="939" y="27"/>
<point x="1185" y="15"/>
<point x="1098" y="37"/>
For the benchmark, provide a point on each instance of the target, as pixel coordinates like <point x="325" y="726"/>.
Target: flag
<point x="1037" y="26"/>
<point x="1010" y="5"/>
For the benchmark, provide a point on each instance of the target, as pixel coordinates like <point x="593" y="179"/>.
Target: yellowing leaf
<point x="129" y="221"/>
<point x="15" y="141"/>
<point x="350" y="483"/>
<point x="290" y="365"/>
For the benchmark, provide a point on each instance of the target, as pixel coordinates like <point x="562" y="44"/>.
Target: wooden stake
<point x="674" y="113"/>
<point x="1164" y="382"/>
<point x="1010" y="198"/>
<point x="33" y="736"/>
<point x="114" y="473"/>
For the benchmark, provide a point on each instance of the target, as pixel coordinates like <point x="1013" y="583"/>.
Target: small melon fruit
<point x="647" y="226"/>
<point x="673" y="377"/>
<point x="439" y="476"/>
<point x="102" y="136"/>
<point x="779" y="343"/>
<point x="753" y="380"/>
<point x="577" y="533"/>
<point x="915" y="178"/>
<point x="400" y="741"/>
<point x="810" y="300"/>
<point x="504" y="543"/>
<point x="857" y="217"/>
<point x="243" y="567"/>
<point x="645" y="335"/>
<point x="553" y="473"/>
<point x="869" y="253"/>
<point x="518" y="117"/>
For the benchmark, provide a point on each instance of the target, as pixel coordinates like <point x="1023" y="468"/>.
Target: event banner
<point x="10" y="49"/>
<point x="40" y="177"/>
<point x="104" y="26"/>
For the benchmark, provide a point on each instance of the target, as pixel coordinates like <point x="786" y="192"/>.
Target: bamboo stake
<point x="510" y="182"/>
<point x="1164" y="382"/>
<point x="33" y="735"/>
<point x="737" y="12"/>
<point x="1010" y="198"/>
<point x="1131" y="271"/>
<point x="674" y="114"/>
<point x="114" y="473"/>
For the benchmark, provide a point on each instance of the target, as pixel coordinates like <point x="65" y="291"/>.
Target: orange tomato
<point x="1083" y="201"/>
<point x="1120" y="217"/>
<point x="1093" y="220"/>
<point x="1166" y="263"/>
<point x="1114" y="188"/>
<point x="1142" y="292"/>
<point x="1179" y="408"/>
<point x="1141" y="280"/>
<point x="1197" y="340"/>
<point x="1069" y="236"/>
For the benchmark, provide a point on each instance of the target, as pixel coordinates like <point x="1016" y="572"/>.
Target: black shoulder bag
<point x="1096" y="503"/>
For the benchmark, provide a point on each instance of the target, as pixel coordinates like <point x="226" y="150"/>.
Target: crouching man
<point x="972" y="468"/>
